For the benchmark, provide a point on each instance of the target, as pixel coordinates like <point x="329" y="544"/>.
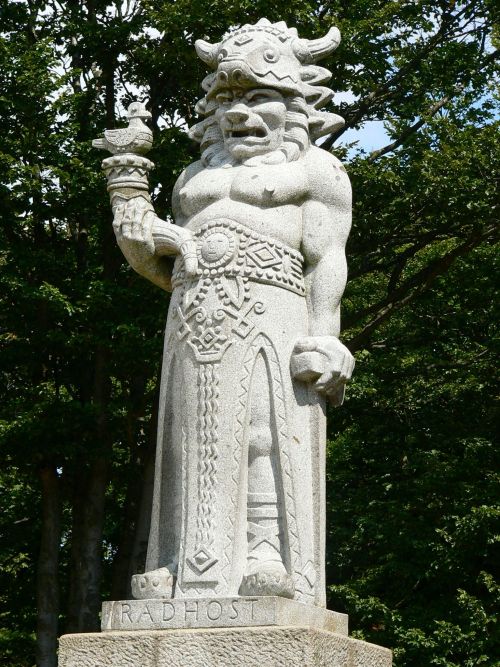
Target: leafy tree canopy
<point x="412" y="491"/>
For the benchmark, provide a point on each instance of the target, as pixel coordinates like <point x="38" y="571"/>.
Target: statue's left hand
<point x="325" y="362"/>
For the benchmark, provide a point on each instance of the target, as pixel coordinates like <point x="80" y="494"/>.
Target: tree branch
<point x="374" y="155"/>
<point x="360" y="108"/>
<point x="415" y="127"/>
<point x="377" y="265"/>
<point x="414" y="286"/>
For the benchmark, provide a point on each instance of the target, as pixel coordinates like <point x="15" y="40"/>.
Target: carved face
<point x="252" y="121"/>
<point x="215" y="247"/>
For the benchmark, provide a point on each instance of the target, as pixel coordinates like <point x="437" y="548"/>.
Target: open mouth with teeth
<point x="249" y="132"/>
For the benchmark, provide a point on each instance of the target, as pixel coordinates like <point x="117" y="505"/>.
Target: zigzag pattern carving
<point x="286" y="468"/>
<point x="236" y="462"/>
<point x="262" y="342"/>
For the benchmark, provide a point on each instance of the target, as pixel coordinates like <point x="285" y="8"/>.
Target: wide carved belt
<point x="227" y="248"/>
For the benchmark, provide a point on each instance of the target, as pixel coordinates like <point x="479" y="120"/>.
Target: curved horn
<point x="207" y="52"/>
<point x="322" y="47"/>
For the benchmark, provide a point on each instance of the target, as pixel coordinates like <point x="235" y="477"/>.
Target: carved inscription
<point x="217" y="612"/>
<point x="205" y="612"/>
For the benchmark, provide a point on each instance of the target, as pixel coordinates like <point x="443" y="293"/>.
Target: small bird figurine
<point x="136" y="138"/>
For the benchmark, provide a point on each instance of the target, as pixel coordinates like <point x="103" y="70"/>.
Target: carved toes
<point x="268" y="579"/>
<point x="154" y="584"/>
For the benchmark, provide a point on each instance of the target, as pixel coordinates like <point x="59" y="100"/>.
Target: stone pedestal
<point x="219" y="632"/>
<point x="215" y="612"/>
<point x="221" y="647"/>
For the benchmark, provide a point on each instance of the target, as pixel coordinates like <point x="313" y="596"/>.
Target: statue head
<point x="251" y="120"/>
<point x="264" y="95"/>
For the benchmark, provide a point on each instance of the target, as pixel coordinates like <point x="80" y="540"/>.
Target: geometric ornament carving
<point x="202" y="560"/>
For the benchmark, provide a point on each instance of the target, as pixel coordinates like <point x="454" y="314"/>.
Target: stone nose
<point x="237" y="114"/>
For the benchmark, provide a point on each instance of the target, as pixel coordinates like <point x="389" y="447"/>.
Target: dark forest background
<point x="412" y="468"/>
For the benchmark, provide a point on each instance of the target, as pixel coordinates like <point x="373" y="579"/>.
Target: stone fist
<point x="324" y="361"/>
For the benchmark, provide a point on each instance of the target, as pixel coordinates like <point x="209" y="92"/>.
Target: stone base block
<point x="221" y="647"/>
<point x="174" y="614"/>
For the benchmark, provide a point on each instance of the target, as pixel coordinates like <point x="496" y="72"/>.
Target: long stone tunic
<point x="228" y="342"/>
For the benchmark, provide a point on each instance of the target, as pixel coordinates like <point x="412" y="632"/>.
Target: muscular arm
<point x="326" y="223"/>
<point x="133" y="225"/>
<point x="321" y="358"/>
<point x="325" y="235"/>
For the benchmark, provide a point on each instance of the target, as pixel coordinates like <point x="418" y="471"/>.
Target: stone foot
<point x="267" y="578"/>
<point x="153" y="584"/>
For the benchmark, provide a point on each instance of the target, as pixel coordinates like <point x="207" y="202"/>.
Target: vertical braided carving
<point x="184" y="465"/>
<point x="208" y="396"/>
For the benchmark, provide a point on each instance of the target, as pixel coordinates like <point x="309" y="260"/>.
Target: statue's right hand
<point x="133" y="226"/>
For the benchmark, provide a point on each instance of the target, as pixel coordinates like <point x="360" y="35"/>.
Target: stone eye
<point x="222" y="55"/>
<point x="271" y="56"/>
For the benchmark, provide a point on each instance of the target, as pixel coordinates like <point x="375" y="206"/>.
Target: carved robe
<point x="229" y="338"/>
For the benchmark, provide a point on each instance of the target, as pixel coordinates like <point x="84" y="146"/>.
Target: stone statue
<point x="256" y="267"/>
<point x="251" y="345"/>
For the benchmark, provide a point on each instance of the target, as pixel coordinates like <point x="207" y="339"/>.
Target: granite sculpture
<point x="255" y="261"/>
<point x="251" y="345"/>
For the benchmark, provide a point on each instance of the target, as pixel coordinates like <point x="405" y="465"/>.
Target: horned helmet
<point x="271" y="55"/>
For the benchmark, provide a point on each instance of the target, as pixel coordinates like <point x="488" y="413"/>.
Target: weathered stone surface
<point x="252" y="353"/>
<point x="251" y="344"/>
<point x="218" y="612"/>
<point x="240" y="647"/>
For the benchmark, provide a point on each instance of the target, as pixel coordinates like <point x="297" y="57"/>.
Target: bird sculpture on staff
<point x="127" y="170"/>
<point x="136" y="138"/>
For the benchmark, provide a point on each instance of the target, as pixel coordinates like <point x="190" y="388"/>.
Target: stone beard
<point x="251" y="343"/>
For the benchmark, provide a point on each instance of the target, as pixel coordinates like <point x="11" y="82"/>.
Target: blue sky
<point x="370" y="136"/>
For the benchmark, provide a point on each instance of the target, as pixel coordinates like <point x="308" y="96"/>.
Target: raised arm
<point x="143" y="238"/>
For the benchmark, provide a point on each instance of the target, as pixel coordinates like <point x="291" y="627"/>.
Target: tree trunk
<point x="88" y="516"/>
<point x="86" y="552"/>
<point x="88" y="506"/>
<point x="131" y="555"/>
<point x="47" y="588"/>
<point x="137" y="560"/>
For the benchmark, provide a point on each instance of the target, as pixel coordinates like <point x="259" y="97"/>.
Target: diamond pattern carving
<point x="263" y="256"/>
<point x="202" y="560"/>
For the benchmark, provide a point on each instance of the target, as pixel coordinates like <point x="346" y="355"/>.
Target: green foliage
<point x="16" y="648"/>
<point x="413" y="481"/>
<point x="412" y="494"/>
<point x="19" y="536"/>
